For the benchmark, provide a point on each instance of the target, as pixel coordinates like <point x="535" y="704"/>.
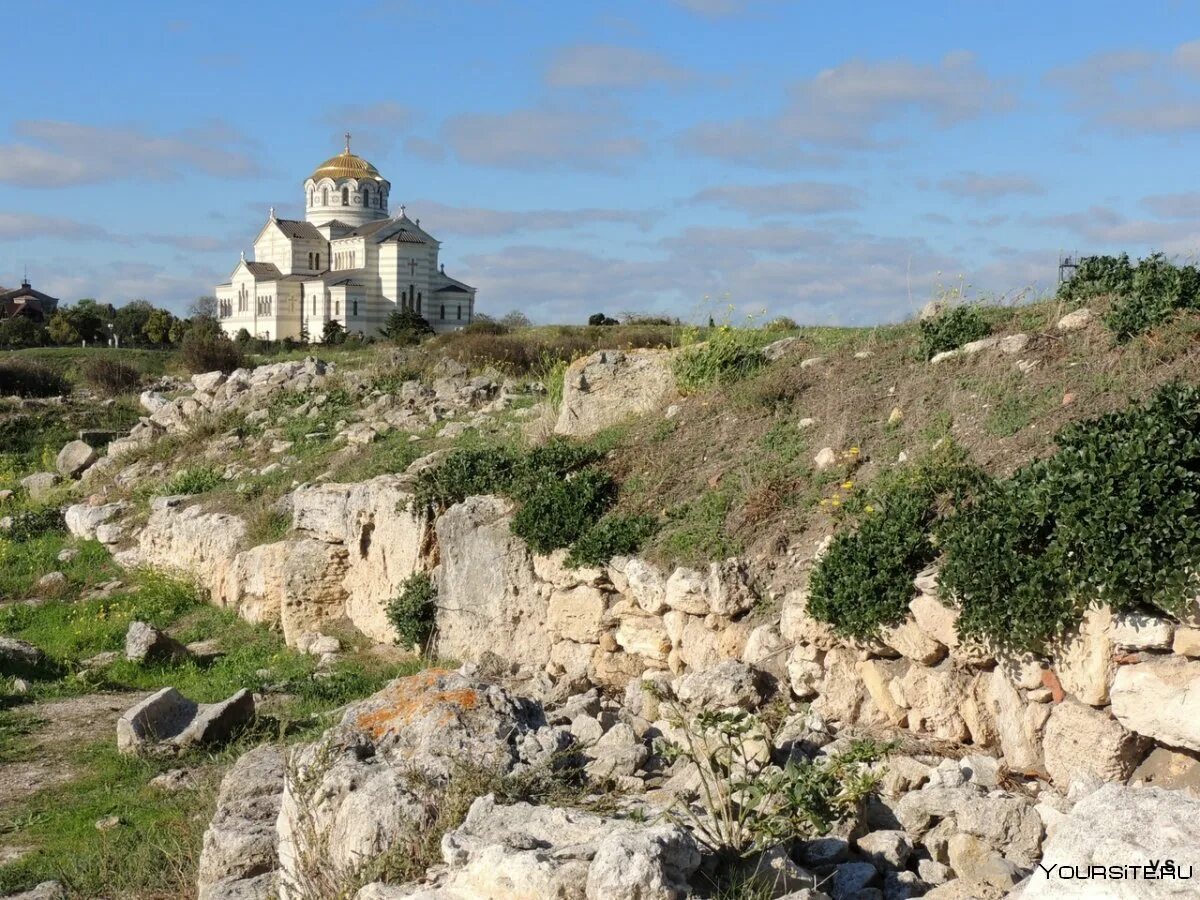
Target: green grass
<point x="68" y="361"/>
<point x="22" y="563"/>
<point x="695" y="532"/>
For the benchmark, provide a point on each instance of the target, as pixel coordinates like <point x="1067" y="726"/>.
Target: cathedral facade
<point x="348" y="261"/>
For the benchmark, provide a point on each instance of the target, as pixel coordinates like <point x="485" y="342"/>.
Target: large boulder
<point x="385" y="537"/>
<point x="189" y="541"/>
<point x="1120" y="827"/>
<point x="610" y="386"/>
<point x="374" y="777"/>
<point x="1082" y="743"/>
<point x="167" y="722"/>
<point x="40" y="485"/>
<point x="145" y="643"/>
<point x="83" y="519"/>
<point x="239" y="858"/>
<point x="1160" y="698"/>
<point x="489" y="597"/>
<point x="74" y="459"/>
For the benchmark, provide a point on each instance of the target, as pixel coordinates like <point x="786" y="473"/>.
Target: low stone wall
<point x="1093" y="710"/>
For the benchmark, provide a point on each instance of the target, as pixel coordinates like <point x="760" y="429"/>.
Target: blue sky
<point x="834" y="164"/>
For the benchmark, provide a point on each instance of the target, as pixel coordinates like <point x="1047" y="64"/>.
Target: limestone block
<point x="1160" y="699"/>
<point x="610" y="386"/>
<point x="1137" y="631"/>
<point x="909" y="639"/>
<point x="1081" y="743"/>
<point x="577" y="614"/>
<point x="1085" y="664"/>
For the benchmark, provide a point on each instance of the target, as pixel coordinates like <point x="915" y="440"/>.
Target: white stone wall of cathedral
<point x="327" y="203"/>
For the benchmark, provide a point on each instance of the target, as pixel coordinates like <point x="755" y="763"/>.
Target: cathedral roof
<point x="294" y="229"/>
<point x="263" y="269"/>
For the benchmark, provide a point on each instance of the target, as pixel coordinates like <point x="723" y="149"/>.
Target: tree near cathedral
<point x="406" y="326"/>
<point x="60" y="329"/>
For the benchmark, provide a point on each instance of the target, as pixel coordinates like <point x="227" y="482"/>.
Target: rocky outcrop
<point x="74" y="459"/>
<point x="239" y="857"/>
<point x="1120" y="827"/>
<point x="384" y="537"/>
<point x="489" y="597"/>
<point x="530" y="851"/>
<point x="370" y="780"/>
<point x="612" y="385"/>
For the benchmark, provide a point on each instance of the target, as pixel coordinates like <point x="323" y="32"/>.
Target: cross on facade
<point x="412" y="267"/>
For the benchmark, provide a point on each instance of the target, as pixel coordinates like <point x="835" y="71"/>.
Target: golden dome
<point x="346" y="165"/>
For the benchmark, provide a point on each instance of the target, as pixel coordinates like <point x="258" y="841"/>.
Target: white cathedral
<point x="348" y="261"/>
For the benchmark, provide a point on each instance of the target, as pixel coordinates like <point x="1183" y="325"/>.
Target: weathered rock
<point x="1120" y="826"/>
<point x="239" y="855"/>
<point x="776" y="873"/>
<point x="1084" y="743"/>
<point x="74" y="459"/>
<point x="1086" y="665"/>
<point x="39" y="485"/>
<point x="798" y="627"/>
<point x="1019" y="741"/>
<point x="851" y="878"/>
<point x="167" y="722"/>
<point x="385" y="537"/>
<point x="886" y="849"/>
<point x="612" y="385"/>
<point x="45" y="890"/>
<point x="934" y="698"/>
<point x="1160" y="698"/>
<point x="909" y="639"/>
<point x="1075" y="320"/>
<point x="1137" y="631"/>
<point x="145" y="643"/>
<point x="730" y="684"/>
<point x="489" y="598"/>
<point x="618" y="752"/>
<point x="208" y="381"/>
<point x="359" y="793"/>
<point x="841" y="695"/>
<point x="83" y="520"/>
<point x="188" y="541"/>
<point x="804" y="671"/>
<point x="975" y="860"/>
<point x="877" y="676"/>
<point x="551" y="852"/>
<point x="51" y="584"/>
<point x="17" y="654"/>
<point x="1186" y="642"/>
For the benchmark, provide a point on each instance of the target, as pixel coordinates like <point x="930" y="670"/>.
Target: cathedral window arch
<point x="356" y="308"/>
<point x="310" y="196"/>
<point x="345" y="196"/>
<point x="460" y="312"/>
<point x="366" y="197"/>
<point x="443" y="316"/>
<point x="324" y="196"/>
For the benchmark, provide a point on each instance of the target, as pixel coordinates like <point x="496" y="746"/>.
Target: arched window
<point x="418" y="302"/>
<point x="345" y="196"/>
<point x="314" y="306"/>
<point x="310" y="197"/>
<point x="460" y="312"/>
<point x="324" y="196"/>
<point x="366" y="197"/>
<point x="443" y="315"/>
<point x="355" y="307"/>
<point x="337" y="307"/>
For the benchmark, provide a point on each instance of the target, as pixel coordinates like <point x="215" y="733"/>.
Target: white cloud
<point x="978" y="186"/>
<point x="803" y="197"/>
<point x="539" y="138"/>
<point x="53" y="153"/>
<point x="1135" y="91"/>
<point x="482" y="222"/>
<point x="846" y="106"/>
<point x="611" y="66"/>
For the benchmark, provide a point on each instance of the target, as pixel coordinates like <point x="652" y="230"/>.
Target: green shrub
<point x="613" y="535"/>
<point x="781" y="323"/>
<point x="951" y="329"/>
<point x="727" y="356"/>
<point x="30" y="379"/>
<point x="1099" y="276"/>
<point x="412" y="612"/>
<point x="28" y="524"/>
<point x="205" y="348"/>
<point x="110" y="376"/>
<point x="1113" y="516"/>
<point x="192" y="481"/>
<point x="556" y="513"/>
<point x="465" y="473"/>
<point x="406" y="326"/>
<point x="865" y="579"/>
<point x="1156" y="291"/>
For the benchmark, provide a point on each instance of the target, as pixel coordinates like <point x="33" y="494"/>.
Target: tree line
<point x="138" y="323"/>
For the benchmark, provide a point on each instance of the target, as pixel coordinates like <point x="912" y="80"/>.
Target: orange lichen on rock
<point x="407" y="698"/>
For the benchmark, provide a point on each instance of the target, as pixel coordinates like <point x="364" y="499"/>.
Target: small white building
<point x="348" y="261"/>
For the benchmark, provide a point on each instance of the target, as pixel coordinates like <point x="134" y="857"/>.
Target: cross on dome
<point x="347" y="142"/>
